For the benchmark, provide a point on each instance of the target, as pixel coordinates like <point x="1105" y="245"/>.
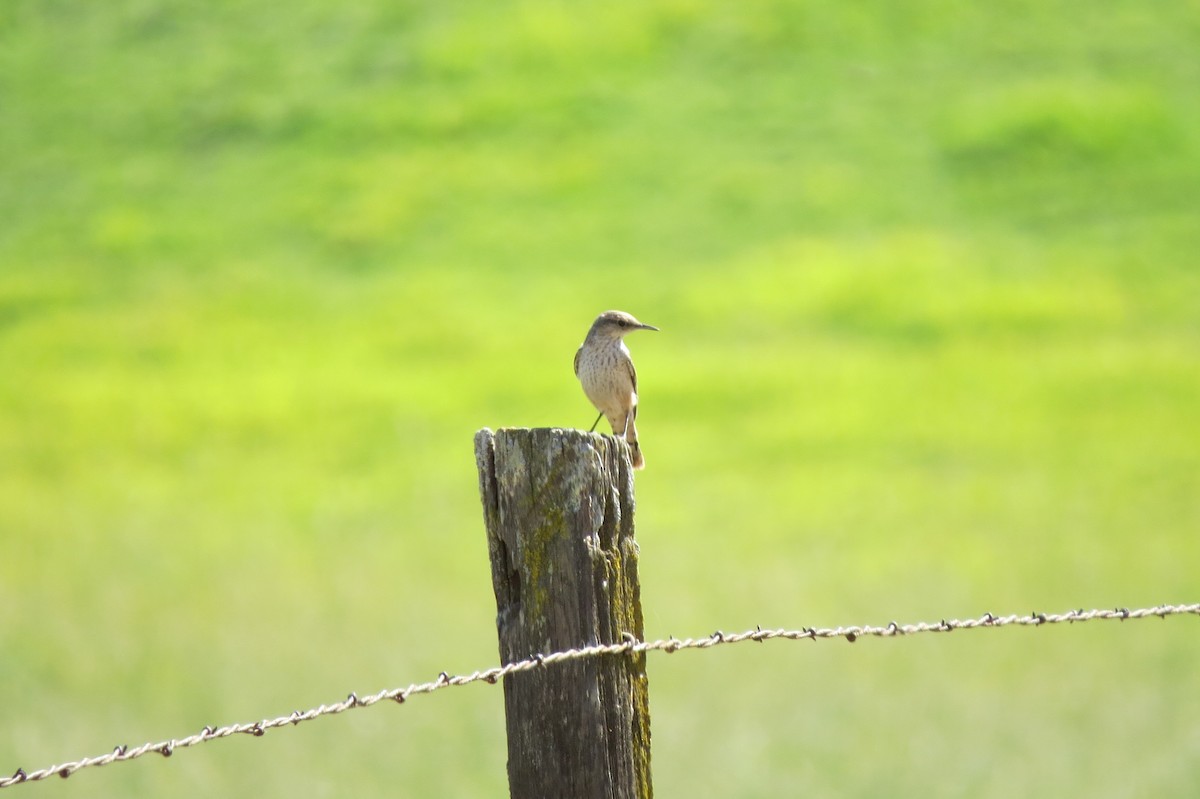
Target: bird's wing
<point x="632" y="374"/>
<point x="577" y="353"/>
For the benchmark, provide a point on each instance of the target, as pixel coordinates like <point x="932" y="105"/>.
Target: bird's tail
<point x="635" y="449"/>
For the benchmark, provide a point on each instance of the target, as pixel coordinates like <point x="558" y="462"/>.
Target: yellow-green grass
<point x="928" y="286"/>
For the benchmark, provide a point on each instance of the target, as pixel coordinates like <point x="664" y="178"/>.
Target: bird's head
<point x="615" y="324"/>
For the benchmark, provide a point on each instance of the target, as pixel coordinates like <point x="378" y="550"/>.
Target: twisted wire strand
<point x="628" y="646"/>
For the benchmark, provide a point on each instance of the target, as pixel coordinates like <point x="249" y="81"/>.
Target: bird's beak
<point x="647" y="327"/>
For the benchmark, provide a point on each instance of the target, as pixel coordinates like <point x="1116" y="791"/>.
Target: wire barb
<point x="629" y="646"/>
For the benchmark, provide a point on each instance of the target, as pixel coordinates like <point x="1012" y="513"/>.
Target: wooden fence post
<point x="558" y="505"/>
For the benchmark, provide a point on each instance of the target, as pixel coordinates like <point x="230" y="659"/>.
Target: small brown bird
<point x="605" y="370"/>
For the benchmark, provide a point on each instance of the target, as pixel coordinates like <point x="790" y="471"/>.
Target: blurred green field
<point x="928" y="276"/>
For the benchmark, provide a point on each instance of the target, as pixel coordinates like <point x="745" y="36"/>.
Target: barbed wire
<point x="629" y="646"/>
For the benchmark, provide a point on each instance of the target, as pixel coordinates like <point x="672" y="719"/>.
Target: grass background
<point x="928" y="283"/>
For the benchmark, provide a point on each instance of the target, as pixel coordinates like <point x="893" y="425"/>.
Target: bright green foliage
<point x="928" y="278"/>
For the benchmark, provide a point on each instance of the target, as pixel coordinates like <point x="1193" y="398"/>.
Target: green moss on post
<point x="559" y="510"/>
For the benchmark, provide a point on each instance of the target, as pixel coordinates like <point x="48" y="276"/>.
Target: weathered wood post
<point x="558" y="505"/>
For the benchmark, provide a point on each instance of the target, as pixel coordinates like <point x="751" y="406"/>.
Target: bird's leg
<point x="598" y="418"/>
<point x="625" y="430"/>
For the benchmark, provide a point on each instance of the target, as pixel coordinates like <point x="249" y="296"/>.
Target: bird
<point x="605" y="370"/>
